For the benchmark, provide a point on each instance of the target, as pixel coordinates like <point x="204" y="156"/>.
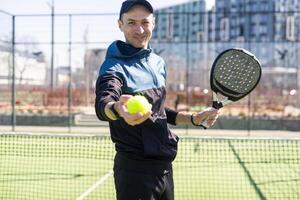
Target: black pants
<point x="142" y="180"/>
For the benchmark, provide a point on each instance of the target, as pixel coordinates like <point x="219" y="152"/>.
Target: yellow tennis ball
<point x="138" y="104"/>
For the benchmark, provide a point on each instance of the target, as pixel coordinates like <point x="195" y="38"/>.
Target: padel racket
<point x="234" y="74"/>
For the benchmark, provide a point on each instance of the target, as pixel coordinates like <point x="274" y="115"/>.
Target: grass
<point x="64" y="167"/>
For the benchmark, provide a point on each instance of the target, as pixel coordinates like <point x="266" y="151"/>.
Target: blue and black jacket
<point x="128" y="70"/>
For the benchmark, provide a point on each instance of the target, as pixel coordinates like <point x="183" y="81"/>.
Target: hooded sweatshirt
<point x="128" y="70"/>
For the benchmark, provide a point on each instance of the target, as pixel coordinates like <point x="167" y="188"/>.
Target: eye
<point x="131" y="23"/>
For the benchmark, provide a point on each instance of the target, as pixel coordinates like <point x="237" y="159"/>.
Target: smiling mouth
<point x="140" y="37"/>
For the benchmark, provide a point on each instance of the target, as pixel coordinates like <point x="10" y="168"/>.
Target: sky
<point x="76" y="6"/>
<point x="32" y="25"/>
<point x="97" y="28"/>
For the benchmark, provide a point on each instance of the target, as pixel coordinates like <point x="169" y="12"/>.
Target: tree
<point x="27" y="52"/>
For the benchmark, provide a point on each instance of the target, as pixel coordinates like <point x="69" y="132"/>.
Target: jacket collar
<point x="124" y="50"/>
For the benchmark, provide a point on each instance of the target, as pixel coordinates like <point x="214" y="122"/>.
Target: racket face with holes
<point x="235" y="73"/>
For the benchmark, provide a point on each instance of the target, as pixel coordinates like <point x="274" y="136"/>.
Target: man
<point x="144" y="144"/>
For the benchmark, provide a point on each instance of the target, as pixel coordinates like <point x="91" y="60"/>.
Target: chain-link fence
<point x="5" y="66"/>
<point x="49" y="65"/>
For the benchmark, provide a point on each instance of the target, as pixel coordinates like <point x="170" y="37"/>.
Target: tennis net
<point x="80" y="167"/>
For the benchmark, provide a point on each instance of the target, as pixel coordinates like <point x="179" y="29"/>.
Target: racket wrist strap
<point x="193" y="122"/>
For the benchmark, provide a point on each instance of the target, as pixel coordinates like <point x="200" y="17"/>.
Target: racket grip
<point x="204" y="125"/>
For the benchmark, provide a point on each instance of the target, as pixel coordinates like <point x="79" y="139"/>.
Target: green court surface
<point x="80" y="167"/>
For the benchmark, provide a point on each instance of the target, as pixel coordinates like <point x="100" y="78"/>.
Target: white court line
<point x="97" y="184"/>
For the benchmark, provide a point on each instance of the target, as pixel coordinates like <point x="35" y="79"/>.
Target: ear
<point x="120" y="23"/>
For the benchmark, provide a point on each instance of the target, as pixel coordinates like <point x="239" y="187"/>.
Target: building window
<point x="290" y="28"/>
<point x="224" y="29"/>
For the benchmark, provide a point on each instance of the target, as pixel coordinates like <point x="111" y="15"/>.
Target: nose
<point x="140" y="30"/>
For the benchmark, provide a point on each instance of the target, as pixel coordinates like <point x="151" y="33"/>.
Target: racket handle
<point x="204" y="125"/>
<point x="216" y="105"/>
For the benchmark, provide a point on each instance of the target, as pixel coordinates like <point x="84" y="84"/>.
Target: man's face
<point x="137" y="25"/>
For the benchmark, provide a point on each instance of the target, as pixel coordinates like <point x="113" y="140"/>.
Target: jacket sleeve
<point x="171" y="116"/>
<point x="108" y="89"/>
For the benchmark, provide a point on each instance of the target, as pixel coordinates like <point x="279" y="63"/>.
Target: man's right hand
<point x="131" y="119"/>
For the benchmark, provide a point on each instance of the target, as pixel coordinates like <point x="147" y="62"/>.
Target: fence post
<point x="70" y="74"/>
<point x="13" y="99"/>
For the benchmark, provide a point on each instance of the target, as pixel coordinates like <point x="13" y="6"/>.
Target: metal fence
<point x="49" y="65"/>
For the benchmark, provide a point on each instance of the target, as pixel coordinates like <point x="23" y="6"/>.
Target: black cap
<point x="126" y="5"/>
